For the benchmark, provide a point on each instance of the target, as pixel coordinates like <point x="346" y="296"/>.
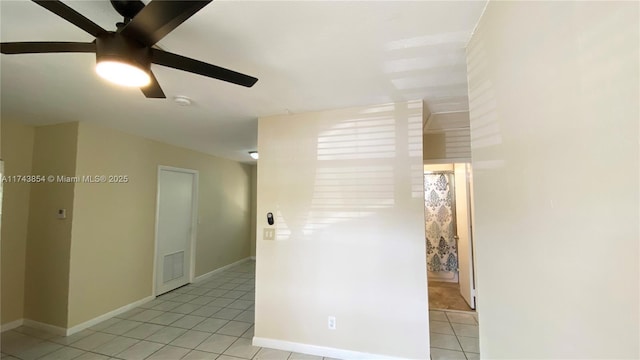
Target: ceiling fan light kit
<point x="125" y="56"/>
<point x="122" y="61"/>
<point x="121" y="73"/>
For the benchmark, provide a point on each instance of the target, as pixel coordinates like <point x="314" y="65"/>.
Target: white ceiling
<point x="308" y="56"/>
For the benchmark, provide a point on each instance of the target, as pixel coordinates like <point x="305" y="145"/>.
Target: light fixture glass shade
<point x="254" y="155"/>
<point x="122" y="73"/>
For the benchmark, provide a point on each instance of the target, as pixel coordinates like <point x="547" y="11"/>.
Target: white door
<point x="175" y="225"/>
<point x="463" y="228"/>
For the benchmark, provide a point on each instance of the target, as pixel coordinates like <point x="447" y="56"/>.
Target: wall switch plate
<point x="269" y="234"/>
<point x="62" y="214"/>
<point x="331" y="323"/>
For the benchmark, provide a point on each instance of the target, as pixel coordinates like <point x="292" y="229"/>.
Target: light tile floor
<point x="454" y="335"/>
<point x="210" y="319"/>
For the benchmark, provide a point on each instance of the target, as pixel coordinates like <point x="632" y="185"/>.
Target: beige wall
<point x="224" y="205"/>
<point x="49" y="238"/>
<point x="553" y="90"/>
<point x="17" y="152"/>
<point x="113" y="229"/>
<point x="434" y="146"/>
<point x="345" y="187"/>
<point x="447" y="138"/>
<point x="254" y="197"/>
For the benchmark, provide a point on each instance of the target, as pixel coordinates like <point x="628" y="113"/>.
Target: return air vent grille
<point x="173" y="267"/>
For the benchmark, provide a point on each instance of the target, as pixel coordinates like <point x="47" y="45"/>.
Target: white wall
<point x="346" y="189"/>
<point x="553" y="90"/>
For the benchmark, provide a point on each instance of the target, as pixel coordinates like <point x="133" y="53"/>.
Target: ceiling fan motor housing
<point x="127" y="8"/>
<point x="115" y="47"/>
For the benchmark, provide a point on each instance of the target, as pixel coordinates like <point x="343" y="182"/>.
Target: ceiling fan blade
<point x="153" y="90"/>
<point x="72" y="16"/>
<point x="180" y="62"/>
<point x="159" y="18"/>
<point x="35" y="47"/>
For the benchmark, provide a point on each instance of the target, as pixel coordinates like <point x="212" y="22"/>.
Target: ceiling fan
<point x="125" y="56"/>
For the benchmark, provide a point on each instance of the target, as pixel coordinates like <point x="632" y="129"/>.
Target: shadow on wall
<point x="345" y="186"/>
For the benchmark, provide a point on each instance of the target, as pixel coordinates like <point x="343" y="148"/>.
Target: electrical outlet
<point x="269" y="234"/>
<point x="331" y="323"/>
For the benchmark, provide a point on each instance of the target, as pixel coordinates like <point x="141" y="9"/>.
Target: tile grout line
<point x="232" y="281"/>
<point x="455" y="334"/>
<point x="458" y="338"/>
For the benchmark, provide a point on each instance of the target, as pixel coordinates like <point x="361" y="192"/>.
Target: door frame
<point x="194" y="223"/>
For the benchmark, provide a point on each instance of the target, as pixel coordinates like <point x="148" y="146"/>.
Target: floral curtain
<point x="442" y="254"/>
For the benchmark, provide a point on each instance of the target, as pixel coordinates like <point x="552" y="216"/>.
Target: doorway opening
<point x="448" y="196"/>
<point x="447" y="204"/>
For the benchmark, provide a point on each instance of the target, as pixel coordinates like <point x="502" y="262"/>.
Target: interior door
<point x="174" y="226"/>
<point x="463" y="228"/>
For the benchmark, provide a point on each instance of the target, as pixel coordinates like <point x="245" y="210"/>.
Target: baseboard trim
<point x="11" y="325"/>
<point x="213" y="272"/>
<point x="89" y="323"/>
<point x="72" y="330"/>
<point x="319" y="350"/>
<point x="109" y="315"/>
<point x="57" y="330"/>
